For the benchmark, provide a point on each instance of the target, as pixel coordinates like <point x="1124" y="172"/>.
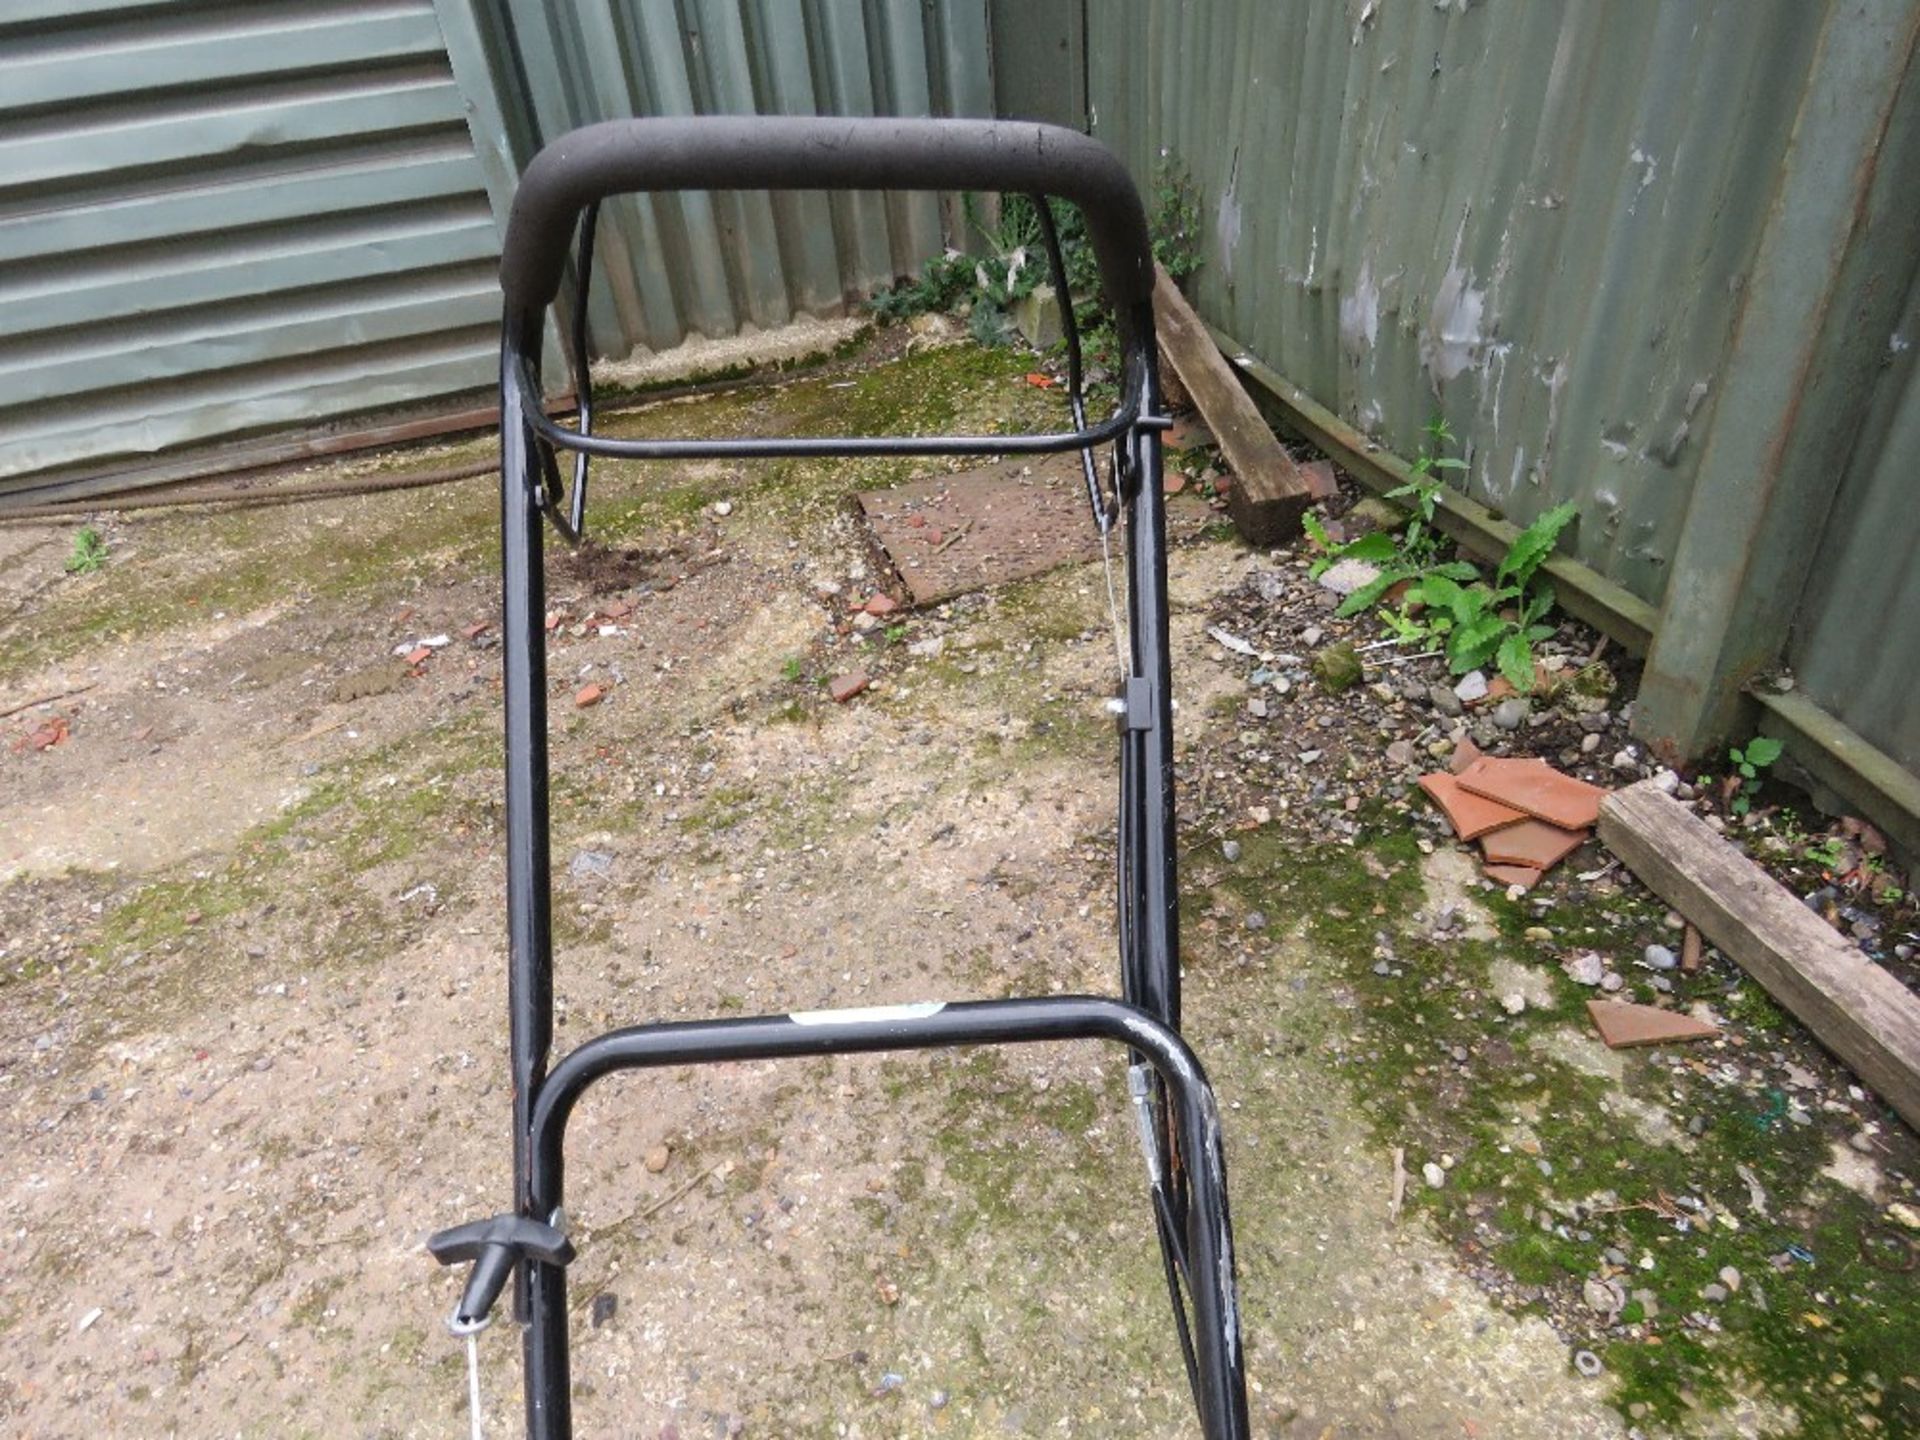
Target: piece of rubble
<point x="1624" y="1025"/>
<point x="844" y="687"/>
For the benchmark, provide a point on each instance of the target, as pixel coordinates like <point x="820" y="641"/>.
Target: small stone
<point x="1589" y="744"/>
<point x="1257" y="707"/>
<point x="1470" y="687"/>
<point x="1433" y="1175"/>
<point x="1588" y="1364"/>
<point x="1444" y="700"/>
<point x="1538" y="933"/>
<point x="605" y="1306"/>
<point x="1343" y="577"/>
<point x="1401" y="753"/>
<point x="1255" y="920"/>
<point x="1730" y="1278"/>
<point x="723" y="508"/>
<point x="1624" y="759"/>
<point x="1697" y="1125"/>
<point x="1665" y="781"/>
<point x="1509" y="713"/>
<point x="1459" y="1054"/>
<point x="590" y="864"/>
<point x="1312" y="636"/>
<point x="881" y="604"/>
<point x="1230" y="849"/>
<point x="657" y="1158"/>
<point x="1714" y="1294"/>
<point x="1611" y="982"/>
<point x="1659" y="957"/>
<point x="1663" y="984"/>
<point x="1514" y="1004"/>
<point x="1337" y="668"/>
<point x="1616" y="1257"/>
<point x="1586" y="968"/>
<point x="1382" y="968"/>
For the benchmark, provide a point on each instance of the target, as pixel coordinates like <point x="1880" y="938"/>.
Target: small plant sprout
<point x="89" y="552"/>
<point x="1451" y="602"/>
<point x="1759" y="753"/>
<point x="791" y="670"/>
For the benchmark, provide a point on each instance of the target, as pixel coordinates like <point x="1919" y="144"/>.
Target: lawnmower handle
<point x="787" y="153"/>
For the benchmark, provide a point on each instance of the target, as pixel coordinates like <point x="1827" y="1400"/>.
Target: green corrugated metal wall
<point x="673" y="265"/>
<point x="1654" y="257"/>
<point x="219" y="222"/>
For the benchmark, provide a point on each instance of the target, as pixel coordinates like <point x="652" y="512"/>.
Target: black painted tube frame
<point x="1180" y="1129"/>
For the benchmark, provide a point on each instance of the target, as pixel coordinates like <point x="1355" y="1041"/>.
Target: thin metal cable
<point x="473" y="1383"/>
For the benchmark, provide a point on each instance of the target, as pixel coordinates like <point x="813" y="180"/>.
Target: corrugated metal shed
<point x="220" y="221"/>
<point x="1533" y="219"/>
<point x="670" y="266"/>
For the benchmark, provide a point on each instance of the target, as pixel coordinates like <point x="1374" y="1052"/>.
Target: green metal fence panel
<point x="700" y="264"/>
<point x="1856" y="646"/>
<point x="1533" y="219"/>
<point x="225" y="221"/>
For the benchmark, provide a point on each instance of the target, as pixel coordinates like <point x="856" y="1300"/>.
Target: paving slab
<point x="951" y="534"/>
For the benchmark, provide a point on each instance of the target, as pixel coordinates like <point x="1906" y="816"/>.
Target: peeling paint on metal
<point x="1556" y="309"/>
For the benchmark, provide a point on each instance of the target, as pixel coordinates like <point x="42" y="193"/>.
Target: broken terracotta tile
<point x="1525" y="876"/>
<point x="475" y="630"/>
<point x="1464" y="754"/>
<point x="846" y="687"/>
<point x="1322" y="483"/>
<point x="1535" y="788"/>
<point x="881" y="604"/>
<point x="589" y="695"/>
<point x="1622" y="1025"/>
<point x="1533" y="843"/>
<point x="419" y="655"/>
<point x="1470" y="815"/>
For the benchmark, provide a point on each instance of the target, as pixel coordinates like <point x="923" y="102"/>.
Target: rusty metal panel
<point x="1533" y="219"/>
<point x="714" y="264"/>
<point x="227" y="221"/>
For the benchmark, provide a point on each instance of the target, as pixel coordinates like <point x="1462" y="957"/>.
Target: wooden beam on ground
<point x="1269" y="492"/>
<point x="1858" y="1011"/>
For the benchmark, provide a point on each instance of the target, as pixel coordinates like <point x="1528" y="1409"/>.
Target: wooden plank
<point x="1858" y="1011"/>
<point x="1269" y="492"/>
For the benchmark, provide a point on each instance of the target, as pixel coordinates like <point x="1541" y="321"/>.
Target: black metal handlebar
<point x="784" y="153"/>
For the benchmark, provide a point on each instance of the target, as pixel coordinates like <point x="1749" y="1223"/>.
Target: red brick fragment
<point x="590" y="694"/>
<point x="844" y="687"/>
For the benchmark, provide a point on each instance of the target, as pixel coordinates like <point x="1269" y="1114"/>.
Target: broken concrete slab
<point x="1535" y="788"/>
<point x="1470" y="815"/>
<point x="951" y="534"/>
<point x="1269" y="494"/>
<point x="1623" y="1025"/>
